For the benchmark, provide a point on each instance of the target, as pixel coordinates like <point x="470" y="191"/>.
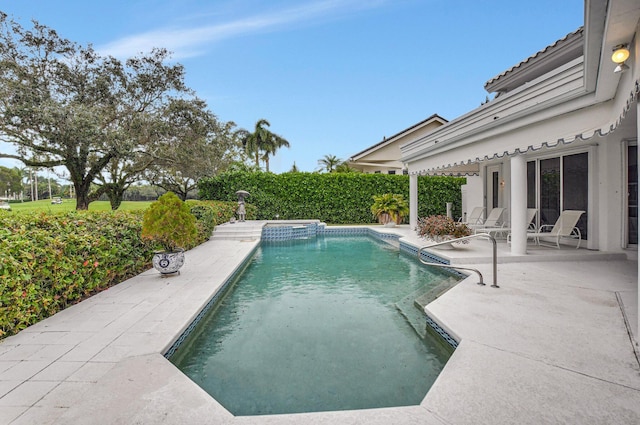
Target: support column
<point x="518" y="205"/>
<point x="413" y="200"/>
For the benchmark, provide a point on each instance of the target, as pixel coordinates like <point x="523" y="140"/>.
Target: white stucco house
<point x="384" y="156"/>
<point x="560" y="133"/>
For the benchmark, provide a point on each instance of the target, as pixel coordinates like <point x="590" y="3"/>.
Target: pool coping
<point x="122" y="377"/>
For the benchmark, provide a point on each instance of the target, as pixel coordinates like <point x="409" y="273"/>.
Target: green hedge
<point x="49" y="261"/>
<point x="336" y="198"/>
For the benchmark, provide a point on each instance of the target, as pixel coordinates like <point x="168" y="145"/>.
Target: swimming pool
<point x="317" y="325"/>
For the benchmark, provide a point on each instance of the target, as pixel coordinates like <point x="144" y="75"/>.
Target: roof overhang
<point x="571" y="103"/>
<point x="435" y="118"/>
<point x="567" y="48"/>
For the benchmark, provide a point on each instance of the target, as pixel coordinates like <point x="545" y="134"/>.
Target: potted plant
<point x="440" y="228"/>
<point x="389" y="208"/>
<point x="169" y="222"/>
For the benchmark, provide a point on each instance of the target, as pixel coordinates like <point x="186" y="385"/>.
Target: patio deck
<point x="551" y="345"/>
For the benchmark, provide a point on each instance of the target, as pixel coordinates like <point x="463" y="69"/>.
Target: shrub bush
<point x="337" y="198"/>
<point x="441" y="226"/>
<point x="169" y="223"/>
<point x="50" y="261"/>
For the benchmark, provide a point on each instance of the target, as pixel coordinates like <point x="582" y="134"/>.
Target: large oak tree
<point x="62" y="104"/>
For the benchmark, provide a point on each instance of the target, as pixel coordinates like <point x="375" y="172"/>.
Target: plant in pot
<point x="169" y="223"/>
<point x="390" y="208"/>
<point x="440" y="228"/>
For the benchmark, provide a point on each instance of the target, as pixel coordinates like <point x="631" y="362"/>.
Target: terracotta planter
<point x="168" y="262"/>
<point x="385" y="219"/>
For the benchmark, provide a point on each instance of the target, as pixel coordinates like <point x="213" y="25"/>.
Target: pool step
<point x="239" y="231"/>
<point x="412" y="306"/>
<point x="435" y="292"/>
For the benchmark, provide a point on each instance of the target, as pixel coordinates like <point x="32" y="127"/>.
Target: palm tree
<point x="262" y="143"/>
<point x="329" y="163"/>
<point x="272" y="144"/>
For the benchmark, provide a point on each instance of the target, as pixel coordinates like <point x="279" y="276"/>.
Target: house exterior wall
<point x="385" y="156"/>
<point x="555" y="114"/>
<point x="612" y="185"/>
<point x="472" y="194"/>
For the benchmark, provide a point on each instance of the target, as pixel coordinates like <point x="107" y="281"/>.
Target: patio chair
<point x="565" y="227"/>
<point x="475" y="217"/>
<point x="494" y="219"/>
<point x="531" y="226"/>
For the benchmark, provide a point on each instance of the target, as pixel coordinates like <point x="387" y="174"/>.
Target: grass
<point x="70" y="205"/>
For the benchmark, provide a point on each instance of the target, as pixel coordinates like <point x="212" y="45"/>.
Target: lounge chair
<point x="565" y="227"/>
<point x="494" y="219"/>
<point x="475" y="217"/>
<point x="531" y="226"/>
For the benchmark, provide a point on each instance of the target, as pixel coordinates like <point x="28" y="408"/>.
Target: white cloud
<point x="189" y="42"/>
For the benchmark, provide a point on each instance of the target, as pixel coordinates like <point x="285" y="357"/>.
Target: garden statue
<point x="241" y="211"/>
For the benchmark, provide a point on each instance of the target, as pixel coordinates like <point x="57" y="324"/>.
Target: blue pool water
<point x="315" y="325"/>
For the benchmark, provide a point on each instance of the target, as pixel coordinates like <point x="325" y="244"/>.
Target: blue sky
<point x="333" y="77"/>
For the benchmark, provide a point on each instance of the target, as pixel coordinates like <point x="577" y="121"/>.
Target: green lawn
<point x="70" y="205"/>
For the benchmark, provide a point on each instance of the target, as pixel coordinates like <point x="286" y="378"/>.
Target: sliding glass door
<point x="632" y="195"/>
<point x="560" y="183"/>
<point x="575" y="183"/>
<point x="549" y="190"/>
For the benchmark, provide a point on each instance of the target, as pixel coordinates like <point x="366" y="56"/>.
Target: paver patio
<point x="549" y="346"/>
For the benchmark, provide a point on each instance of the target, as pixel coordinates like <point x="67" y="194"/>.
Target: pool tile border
<point x="219" y="293"/>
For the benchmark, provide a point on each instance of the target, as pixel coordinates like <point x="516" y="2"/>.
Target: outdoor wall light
<point x="619" y="56"/>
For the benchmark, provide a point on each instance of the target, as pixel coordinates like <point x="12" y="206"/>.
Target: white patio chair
<point x="565" y="227"/>
<point x="531" y="226"/>
<point x="494" y="219"/>
<point x="475" y="217"/>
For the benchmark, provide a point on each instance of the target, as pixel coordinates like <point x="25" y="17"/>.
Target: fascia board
<point x="505" y="109"/>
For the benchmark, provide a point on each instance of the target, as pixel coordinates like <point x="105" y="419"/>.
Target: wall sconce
<point x="619" y="56"/>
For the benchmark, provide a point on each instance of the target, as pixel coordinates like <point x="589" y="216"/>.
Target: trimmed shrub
<point x="169" y="223"/>
<point x="337" y="198"/>
<point x="48" y="262"/>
